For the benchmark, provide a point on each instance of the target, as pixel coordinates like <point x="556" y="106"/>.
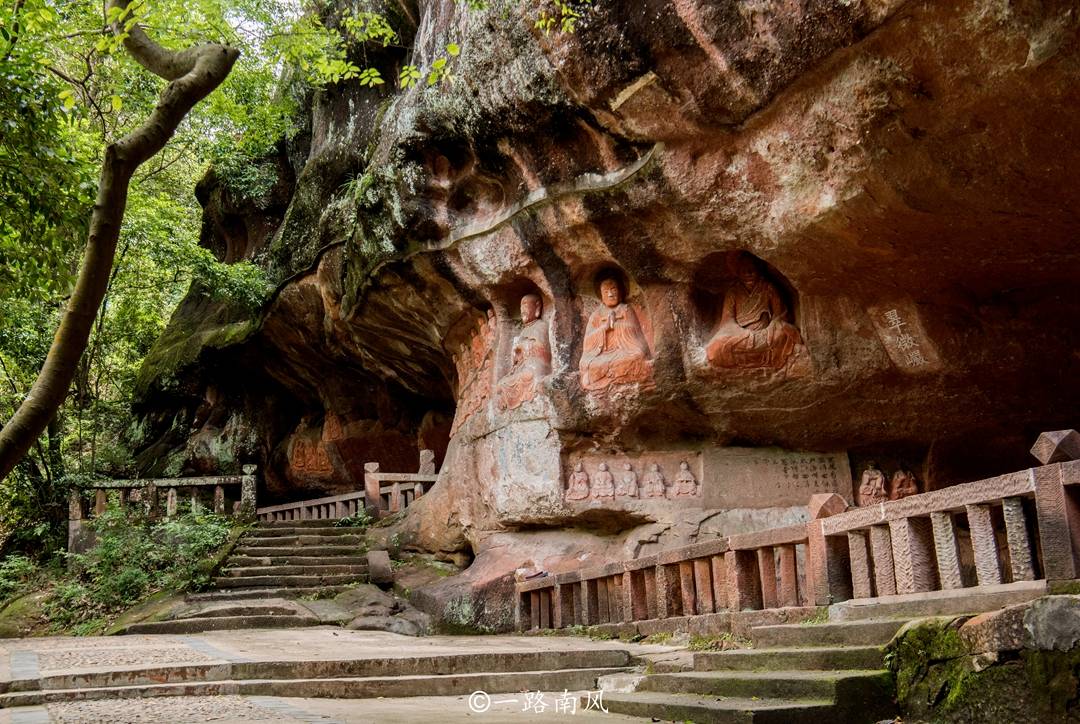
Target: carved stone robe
<point x="615" y="350"/>
<point x="531" y="359"/>
<point x="753" y="331"/>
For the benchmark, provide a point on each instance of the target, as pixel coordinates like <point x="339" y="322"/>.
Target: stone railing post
<point x="372" y="494"/>
<point x="77" y="534"/>
<point x="1057" y="510"/>
<point x="427" y="462"/>
<point x="150" y="499"/>
<point x="247" y="493"/>
<point x="219" y="500"/>
<point x="170" y="503"/>
<point x="101" y="501"/>
<point x="827" y="567"/>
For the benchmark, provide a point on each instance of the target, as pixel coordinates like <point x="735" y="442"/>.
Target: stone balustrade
<point x="153" y="493"/>
<point x="328" y="508"/>
<point x="1023" y="526"/>
<point x="388" y="493"/>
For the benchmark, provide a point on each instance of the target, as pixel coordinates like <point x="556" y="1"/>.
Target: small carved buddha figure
<point x="530" y="357"/>
<point x="654" y="485"/>
<point x="872" y="487"/>
<point x="753" y="331"/>
<point x="603" y="483"/>
<point x="579" y="484"/>
<point x="903" y="485"/>
<point x="615" y="350"/>
<point x="627" y="484"/>
<point x="685" y="482"/>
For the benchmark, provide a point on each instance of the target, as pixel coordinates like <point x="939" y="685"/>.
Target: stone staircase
<point x="271" y="566"/>
<point x="376" y="675"/>
<point x="828" y="672"/>
<point x="290" y="559"/>
<point x="808" y="672"/>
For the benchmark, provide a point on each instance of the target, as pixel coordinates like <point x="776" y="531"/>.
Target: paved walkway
<point x="69" y="656"/>
<point x="278" y="710"/>
<point x="60" y="655"/>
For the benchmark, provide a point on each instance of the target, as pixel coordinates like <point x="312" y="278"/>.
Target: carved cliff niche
<point x="617" y="345"/>
<point x="471" y="345"/>
<point x="524" y="352"/>
<point x="748" y="314"/>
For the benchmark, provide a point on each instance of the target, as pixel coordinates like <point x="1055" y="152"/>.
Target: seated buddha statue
<point x="753" y="331"/>
<point x="615" y="350"/>
<point x="530" y="357"/>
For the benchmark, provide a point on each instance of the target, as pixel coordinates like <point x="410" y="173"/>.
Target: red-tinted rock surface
<point x="901" y="175"/>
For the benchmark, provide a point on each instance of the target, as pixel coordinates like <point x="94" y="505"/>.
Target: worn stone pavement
<point x="247" y="709"/>
<point x="36" y="657"/>
<point x="32" y="657"/>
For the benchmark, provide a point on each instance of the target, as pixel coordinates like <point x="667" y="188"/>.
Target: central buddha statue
<point x="754" y="331"/>
<point x="530" y="357"/>
<point x="615" y="350"/>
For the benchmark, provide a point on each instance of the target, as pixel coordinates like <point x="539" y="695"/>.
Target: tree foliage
<point x="67" y="91"/>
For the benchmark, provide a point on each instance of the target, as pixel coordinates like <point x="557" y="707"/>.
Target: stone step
<point x="821" y="685"/>
<point x="247" y="561"/>
<point x="301" y="581"/>
<point x="816" y="658"/>
<point x="369" y="667"/>
<point x="324" y="530"/>
<point x="244" y="609"/>
<point x="938" y="603"/>
<point x="240" y="594"/>
<point x="845" y="633"/>
<point x="710" y="710"/>
<point x="220" y="623"/>
<point x="290" y="551"/>
<point x="281" y="570"/>
<point x="498" y="682"/>
<point x="281" y="541"/>
<point x="279" y="524"/>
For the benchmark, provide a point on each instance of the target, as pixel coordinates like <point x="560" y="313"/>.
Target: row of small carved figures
<point x="603" y="483"/>
<point x="873" y="489"/>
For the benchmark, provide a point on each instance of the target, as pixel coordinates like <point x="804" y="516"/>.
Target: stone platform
<point x="242" y="675"/>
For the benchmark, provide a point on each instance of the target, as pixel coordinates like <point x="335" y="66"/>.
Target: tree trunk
<point x="193" y="73"/>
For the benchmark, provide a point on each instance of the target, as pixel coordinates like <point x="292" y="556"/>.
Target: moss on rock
<point x="937" y="680"/>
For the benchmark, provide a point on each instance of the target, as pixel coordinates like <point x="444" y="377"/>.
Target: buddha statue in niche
<point x="530" y="357"/>
<point x="754" y="331"/>
<point x="615" y="350"/>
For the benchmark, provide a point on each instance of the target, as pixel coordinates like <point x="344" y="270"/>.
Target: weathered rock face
<point x="844" y="228"/>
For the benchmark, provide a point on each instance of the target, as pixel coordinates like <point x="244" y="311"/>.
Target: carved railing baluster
<point x="984" y="544"/>
<point x="1021" y="560"/>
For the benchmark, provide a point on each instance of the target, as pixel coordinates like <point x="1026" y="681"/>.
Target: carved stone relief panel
<point x="474" y="361"/>
<point x="615" y="350"/>
<point x="530" y="357"/>
<point x="768" y="477"/>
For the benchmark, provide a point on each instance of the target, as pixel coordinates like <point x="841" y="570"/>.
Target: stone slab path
<point x="61" y="662"/>
<point x="282" y="710"/>
<point x="65" y="655"/>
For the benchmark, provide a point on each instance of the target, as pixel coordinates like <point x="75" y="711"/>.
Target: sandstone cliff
<point x="900" y="176"/>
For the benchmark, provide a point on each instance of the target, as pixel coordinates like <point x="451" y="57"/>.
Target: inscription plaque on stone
<point x="768" y="477"/>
